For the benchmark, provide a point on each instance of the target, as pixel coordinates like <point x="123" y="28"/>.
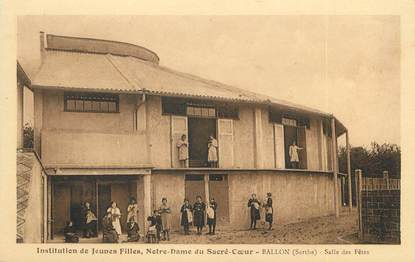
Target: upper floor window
<point x="91" y="102"/>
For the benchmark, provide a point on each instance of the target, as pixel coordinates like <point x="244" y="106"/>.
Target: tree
<point x="373" y="161"/>
<point x="28" y="136"/>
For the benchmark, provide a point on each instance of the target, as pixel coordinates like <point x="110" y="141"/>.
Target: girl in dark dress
<point x="269" y="212"/>
<point x="187" y="218"/>
<point x="254" y="205"/>
<point x="109" y="235"/>
<point x="211" y="215"/>
<point x="199" y="214"/>
<point x="155" y="220"/>
<point x="132" y="231"/>
<point x="70" y="233"/>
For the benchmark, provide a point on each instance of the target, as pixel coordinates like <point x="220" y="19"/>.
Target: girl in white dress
<point x="115" y="215"/>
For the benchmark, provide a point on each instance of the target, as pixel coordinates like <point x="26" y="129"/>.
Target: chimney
<point x="42" y="45"/>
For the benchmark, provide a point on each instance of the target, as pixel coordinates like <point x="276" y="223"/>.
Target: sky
<point x="345" y="65"/>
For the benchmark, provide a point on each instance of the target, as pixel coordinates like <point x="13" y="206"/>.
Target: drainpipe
<point x="334" y="165"/>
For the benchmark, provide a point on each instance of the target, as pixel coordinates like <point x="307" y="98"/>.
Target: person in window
<point x="183" y="147"/>
<point x="269" y="212"/>
<point x="211" y="216"/>
<point x="293" y="153"/>
<point x="90" y="221"/>
<point x="199" y="214"/>
<point x="115" y="215"/>
<point x="254" y="206"/>
<point x="212" y="152"/>
<point x="70" y="233"/>
<point x="165" y="213"/>
<point x="187" y="216"/>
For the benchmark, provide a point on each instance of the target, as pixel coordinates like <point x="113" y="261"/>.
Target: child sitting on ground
<point x="132" y="231"/>
<point x="70" y="233"/>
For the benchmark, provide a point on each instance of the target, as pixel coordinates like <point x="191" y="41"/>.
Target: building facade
<point x="108" y="118"/>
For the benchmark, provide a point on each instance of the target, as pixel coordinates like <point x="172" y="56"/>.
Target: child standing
<point x="211" y="216"/>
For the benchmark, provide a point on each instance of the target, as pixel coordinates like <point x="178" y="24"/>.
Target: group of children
<point x="159" y="223"/>
<point x="254" y="205"/>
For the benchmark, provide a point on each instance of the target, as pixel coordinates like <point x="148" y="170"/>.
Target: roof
<point x="22" y="76"/>
<point x="110" y="72"/>
<point x="114" y="73"/>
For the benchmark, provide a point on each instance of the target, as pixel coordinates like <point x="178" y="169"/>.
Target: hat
<point x="269" y="194"/>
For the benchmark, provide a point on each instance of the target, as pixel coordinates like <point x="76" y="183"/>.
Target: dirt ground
<point x="321" y="230"/>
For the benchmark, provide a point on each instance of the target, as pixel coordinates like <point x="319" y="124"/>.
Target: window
<point x="173" y="106"/>
<point x="289" y="121"/>
<point x="194" y="177"/>
<point x="208" y="112"/>
<point x="228" y="111"/>
<point x="217" y="177"/>
<point x="91" y="102"/>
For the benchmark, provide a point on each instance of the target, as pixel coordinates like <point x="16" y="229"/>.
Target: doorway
<point x="290" y="135"/>
<point x="104" y="198"/>
<point x="199" y="131"/>
<point x="194" y="186"/>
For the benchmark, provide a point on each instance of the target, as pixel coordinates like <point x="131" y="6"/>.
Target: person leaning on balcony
<point x="293" y="152"/>
<point x="254" y="205"/>
<point x="183" y="147"/>
<point x="213" y="152"/>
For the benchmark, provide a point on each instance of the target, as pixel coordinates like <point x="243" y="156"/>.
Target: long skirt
<point x="117" y="226"/>
<point x="198" y="219"/>
<point x="166" y="221"/>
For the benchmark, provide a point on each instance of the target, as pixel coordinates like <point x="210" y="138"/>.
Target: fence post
<point x="386" y="177"/>
<point x="358" y="178"/>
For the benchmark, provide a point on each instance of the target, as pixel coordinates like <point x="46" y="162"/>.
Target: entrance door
<point x="290" y="135"/>
<point x="104" y="199"/>
<point x="199" y="131"/>
<point x="219" y="190"/>
<point x="194" y="186"/>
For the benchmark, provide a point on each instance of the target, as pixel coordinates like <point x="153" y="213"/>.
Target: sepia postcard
<point x="236" y="135"/>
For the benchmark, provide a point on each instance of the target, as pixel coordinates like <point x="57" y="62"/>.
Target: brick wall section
<point x="381" y="215"/>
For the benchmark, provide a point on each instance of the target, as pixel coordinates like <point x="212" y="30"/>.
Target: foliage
<point x="373" y="160"/>
<point x="28" y="136"/>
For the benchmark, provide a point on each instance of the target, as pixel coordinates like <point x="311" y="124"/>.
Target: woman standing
<point x="254" y="205"/>
<point x="183" y="147"/>
<point x="90" y="221"/>
<point x="213" y="152"/>
<point x="165" y="213"/>
<point x="211" y="215"/>
<point x="199" y="214"/>
<point x="269" y="212"/>
<point x="132" y="210"/>
<point x="115" y="216"/>
<point x="187" y="217"/>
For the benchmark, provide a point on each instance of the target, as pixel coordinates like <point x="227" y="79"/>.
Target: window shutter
<point x="279" y="146"/>
<point x="225" y="139"/>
